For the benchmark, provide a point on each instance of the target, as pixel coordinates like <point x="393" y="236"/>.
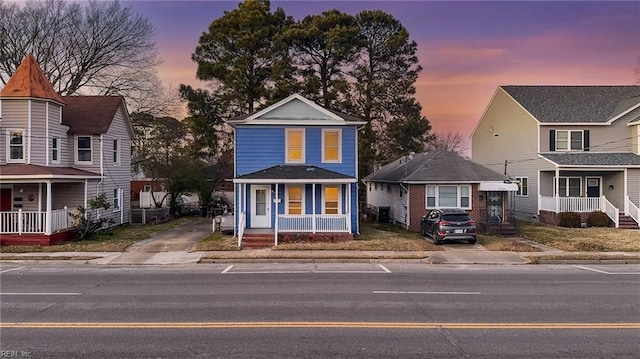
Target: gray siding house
<point x="572" y="148"/>
<point x="56" y="153"/>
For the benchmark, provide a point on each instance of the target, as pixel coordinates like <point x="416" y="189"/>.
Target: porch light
<point x="611" y="187"/>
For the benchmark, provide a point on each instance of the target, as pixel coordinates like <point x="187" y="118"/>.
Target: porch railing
<point x="313" y="223"/>
<point x="19" y="222"/>
<point x="579" y="204"/>
<point x="612" y="211"/>
<point x="632" y="210"/>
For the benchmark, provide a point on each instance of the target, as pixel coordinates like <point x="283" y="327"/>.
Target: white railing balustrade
<point x="313" y="223"/>
<point x="612" y="211"/>
<point x="632" y="210"/>
<point x="18" y="222"/>
<point x="570" y="204"/>
<point x="242" y="224"/>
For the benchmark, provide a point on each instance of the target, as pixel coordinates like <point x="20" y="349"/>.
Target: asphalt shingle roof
<point x="575" y="104"/>
<point x="435" y="166"/>
<point x="593" y="159"/>
<point x="89" y="115"/>
<point x="36" y="170"/>
<point x="303" y="172"/>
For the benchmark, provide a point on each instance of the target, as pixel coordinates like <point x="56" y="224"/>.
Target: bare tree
<point x="637" y="71"/>
<point x="95" y="48"/>
<point x="449" y="141"/>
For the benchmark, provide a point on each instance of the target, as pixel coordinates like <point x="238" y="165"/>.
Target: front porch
<point x="550" y="207"/>
<point x="35" y="227"/>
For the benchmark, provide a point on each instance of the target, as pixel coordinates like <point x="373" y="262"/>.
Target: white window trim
<point x="286" y="199"/>
<point x="458" y="196"/>
<point x="286" y="145"/>
<point x="569" y="149"/>
<point x="57" y="149"/>
<point x="24" y="145"/>
<point x="76" y="149"/>
<point x="566" y="179"/>
<point x="118" y="193"/>
<point x="324" y="212"/>
<point x="332" y="130"/>
<point x="519" y="179"/>
<point x="116" y="151"/>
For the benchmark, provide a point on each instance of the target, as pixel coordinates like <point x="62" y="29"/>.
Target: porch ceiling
<point x="586" y="159"/>
<point x="19" y="172"/>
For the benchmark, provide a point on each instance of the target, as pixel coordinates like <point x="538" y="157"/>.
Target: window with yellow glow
<point x="331" y="146"/>
<point x="294" y="200"/>
<point x="331" y="199"/>
<point x="295" y="145"/>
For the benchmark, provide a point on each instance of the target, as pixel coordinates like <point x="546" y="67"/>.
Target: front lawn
<point x="117" y="241"/>
<point x="594" y="239"/>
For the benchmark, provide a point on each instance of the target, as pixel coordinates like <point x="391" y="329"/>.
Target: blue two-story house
<point x="295" y="174"/>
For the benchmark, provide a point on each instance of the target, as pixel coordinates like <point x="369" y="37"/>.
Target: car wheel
<point x="472" y="241"/>
<point x="437" y="240"/>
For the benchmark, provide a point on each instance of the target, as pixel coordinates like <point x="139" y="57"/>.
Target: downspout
<point x="99" y="184"/>
<point x="406" y="208"/>
<point x="46" y="129"/>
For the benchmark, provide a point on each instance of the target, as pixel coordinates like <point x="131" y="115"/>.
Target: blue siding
<point x="260" y="147"/>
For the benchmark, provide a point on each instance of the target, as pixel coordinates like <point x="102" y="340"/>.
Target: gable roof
<point x="294" y="173"/>
<point x="90" y="115"/>
<point x="435" y="166"/>
<point x="576" y="104"/>
<point x="296" y="109"/>
<point x="29" y="81"/>
<point x="592" y="159"/>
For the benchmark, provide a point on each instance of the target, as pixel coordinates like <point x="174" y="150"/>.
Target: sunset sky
<point x="466" y="48"/>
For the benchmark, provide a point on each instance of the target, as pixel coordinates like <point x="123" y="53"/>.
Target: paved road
<point x="321" y="310"/>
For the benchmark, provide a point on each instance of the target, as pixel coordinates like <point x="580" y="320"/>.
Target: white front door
<point x="260" y="206"/>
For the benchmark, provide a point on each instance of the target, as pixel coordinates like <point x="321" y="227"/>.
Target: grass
<point x="217" y="242"/>
<point x="584" y="257"/>
<point x="117" y="241"/>
<point x="594" y="239"/>
<point x="373" y="237"/>
<point x="497" y="243"/>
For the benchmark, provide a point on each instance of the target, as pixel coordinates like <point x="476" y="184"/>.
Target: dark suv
<point x="449" y="224"/>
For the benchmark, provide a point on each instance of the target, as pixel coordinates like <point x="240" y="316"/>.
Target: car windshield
<point x="461" y="217"/>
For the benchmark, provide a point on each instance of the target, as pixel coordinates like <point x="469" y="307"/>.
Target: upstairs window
<point x="83" y="146"/>
<point x="331" y="140"/>
<point x="294" y="145"/>
<point x="15" y="143"/>
<point x="116" y="151"/>
<point x="294" y="200"/>
<point x="55" y="149"/>
<point x="566" y="140"/>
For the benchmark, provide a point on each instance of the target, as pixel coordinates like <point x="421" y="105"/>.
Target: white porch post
<point x="86" y="191"/>
<point x="557" y="186"/>
<point x="47" y="219"/>
<point x="313" y="208"/>
<point x="276" y="202"/>
<point x="348" y="207"/>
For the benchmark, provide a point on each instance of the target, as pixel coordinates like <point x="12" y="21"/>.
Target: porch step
<point x="627" y="222"/>
<point x="504" y="228"/>
<point x="257" y="240"/>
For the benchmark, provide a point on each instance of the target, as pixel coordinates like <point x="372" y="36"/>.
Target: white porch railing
<point x="579" y="204"/>
<point x="632" y="210"/>
<point x="313" y="223"/>
<point x="242" y="224"/>
<point x="19" y="222"/>
<point x="612" y="211"/>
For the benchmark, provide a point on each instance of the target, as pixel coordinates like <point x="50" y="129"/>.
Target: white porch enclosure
<point x="579" y="204"/>
<point x="317" y="223"/>
<point x="19" y="222"/>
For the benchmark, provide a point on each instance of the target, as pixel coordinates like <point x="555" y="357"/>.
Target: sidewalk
<point x="175" y="246"/>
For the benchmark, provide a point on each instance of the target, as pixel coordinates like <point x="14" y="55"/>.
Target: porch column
<point x="348" y="207"/>
<point x="276" y="201"/>
<point x="313" y="208"/>
<point x="47" y="218"/>
<point x="86" y="190"/>
<point x="557" y="186"/>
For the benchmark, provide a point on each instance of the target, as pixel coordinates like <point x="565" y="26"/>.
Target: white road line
<point x="11" y="269"/>
<point x="410" y="292"/>
<point x="384" y="268"/>
<point x="605" y="272"/>
<point x="227" y="269"/>
<point x="52" y="294"/>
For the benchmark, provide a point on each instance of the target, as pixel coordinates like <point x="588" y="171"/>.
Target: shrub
<point x="85" y="222"/>
<point x="570" y="219"/>
<point x="598" y="219"/>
